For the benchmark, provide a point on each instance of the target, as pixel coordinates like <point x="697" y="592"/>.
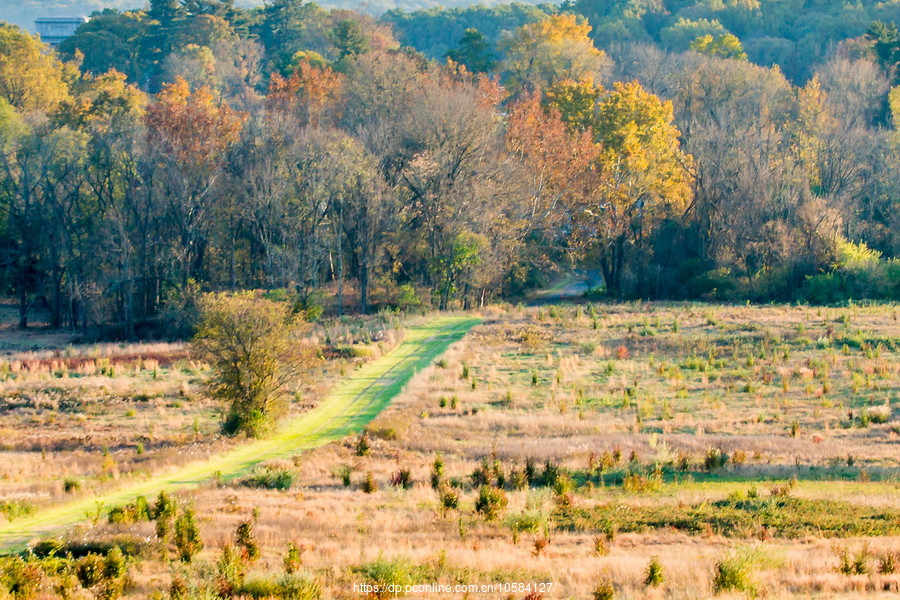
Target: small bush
<point x="71" y="485"/>
<point x="270" y="478"/>
<point x="286" y="587"/>
<point x="887" y="563"/>
<point x="259" y="586"/>
<point x="299" y="587"/>
<point x="362" y="445"/>
<point x="550" y="474"/>
<point x="293" y="558"/>
<point x="734" y="573"/>
<point x="368" y="485"/>
<point x="449" y="500"/>
<point x="345" y="474"/>
<point x="491" y="502"/>
<point x="858" y="564"/>
<point x="386" y="573"/>
<point x="437" y="472"/>
<point x="604" y="591"/>
<point x="402" y="478"/>
<point x="23" y="579"/>
<point x="187" y="536"/>
<point x="90" y="570"/>
<point x="385" y="433"/>
<point x="526" y="522"/>
<point x="164" y="507"/>
<point x="715" y="459"/>
<point x="230" y="571"/>
<point x="654" y="572"/>
<point x="13" y="509"/>
<point x="636" y="483"/>
<point x="245" y="540"/>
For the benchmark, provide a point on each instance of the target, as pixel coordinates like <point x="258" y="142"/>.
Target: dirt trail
<point x="347" y="409"/>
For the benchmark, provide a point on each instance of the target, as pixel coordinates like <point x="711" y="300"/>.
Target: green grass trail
<point x="347" y="409"/>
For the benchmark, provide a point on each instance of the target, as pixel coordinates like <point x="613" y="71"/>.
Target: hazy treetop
<point x="24" y="12"/>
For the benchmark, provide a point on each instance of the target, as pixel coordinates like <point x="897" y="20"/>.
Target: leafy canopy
<point x="251" y="345"/>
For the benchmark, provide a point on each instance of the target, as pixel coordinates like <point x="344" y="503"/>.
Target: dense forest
<point x="24" y="12"/>
<point x="196" y="145"/>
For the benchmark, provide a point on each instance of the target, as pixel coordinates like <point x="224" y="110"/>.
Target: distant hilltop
<point x="54" y="30"/>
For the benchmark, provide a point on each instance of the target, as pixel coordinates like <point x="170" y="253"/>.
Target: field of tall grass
<point x="632" y="450"/>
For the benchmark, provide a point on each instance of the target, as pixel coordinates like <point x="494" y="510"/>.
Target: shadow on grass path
<point x="347" y="409"/>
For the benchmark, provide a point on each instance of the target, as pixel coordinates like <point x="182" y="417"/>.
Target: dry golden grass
<point x="772" y="386"/>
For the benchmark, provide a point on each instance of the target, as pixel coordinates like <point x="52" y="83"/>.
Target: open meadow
<point x="614" y="450"/>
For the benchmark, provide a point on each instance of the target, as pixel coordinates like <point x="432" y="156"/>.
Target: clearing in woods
<point x="351" y="406"/>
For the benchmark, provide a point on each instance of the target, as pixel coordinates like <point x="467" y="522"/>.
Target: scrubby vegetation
<point x="679" y="449"/>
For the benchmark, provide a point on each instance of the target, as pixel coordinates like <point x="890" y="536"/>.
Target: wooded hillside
<point x="200" y="146"/>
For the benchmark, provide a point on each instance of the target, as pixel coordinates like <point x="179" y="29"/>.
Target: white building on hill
<point x="53" y="30"/>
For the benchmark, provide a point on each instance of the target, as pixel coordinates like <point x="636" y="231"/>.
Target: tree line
<point x="197" y="146"/>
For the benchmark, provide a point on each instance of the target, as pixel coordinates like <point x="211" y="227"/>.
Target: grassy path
<point x="347" y="409"/>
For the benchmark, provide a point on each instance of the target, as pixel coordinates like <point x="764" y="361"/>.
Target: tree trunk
<point x="364" y="284"/>
<point x="22" y="294"/>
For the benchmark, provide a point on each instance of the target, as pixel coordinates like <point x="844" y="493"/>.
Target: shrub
<point x="540" y="544"/>
<point x="115" y="565"/>
<point x="13" y="509"/>
<point x="715" y="459"/>
<point x="858" y="564"/>
<point x="482" y="474"/>
<point x="299" y="587"/>
<point x="491" y="502"/>
<point x="517" y="479"/>
<point x="887" y="563"/>
<point x="286" y="587"/>
<point x="187" y="536"/>
<point x="71" y="485"/>
<point x="230" y="571"/>
<point x="270" y="478"/>
<point x="530" y="470"/>
<point x="245" y="540"/>
<point x="89" y="570"/>
<point x="449" y="500"/>
<point x="734" y="572"/>
<point x="654" y="572"/>
<point x="402" y="478"/>
<point x="255" y="360"/>
<point x="22" y="579"/>
<point x="362" y="444"/>
<point x="259" y="586"/>
<point x="437" y="472"/>
<point x="386" y="573"/>
<point x="163" y="508"/>
<point x="129" y="545"/>
<point x="526" y="522"/>
<point x="636" y="483"/>
<point x="407" y="297"/>
<point x="293" y="558"/>
<point x="368" y="485"/>
<point x="604" y="591"/>
<point x="125" y="515"/>
<point x="550" y="474"/>
<point x="345" y="473"/>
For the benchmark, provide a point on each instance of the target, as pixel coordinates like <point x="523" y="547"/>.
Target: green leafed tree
<point x="187" y="535"/>
<point x="723" y="46"/>
<point x="255" y="358"/>
<point x="557" y="48"/>
<point x="31" y="77"/>
<point x="473" y="51"/>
